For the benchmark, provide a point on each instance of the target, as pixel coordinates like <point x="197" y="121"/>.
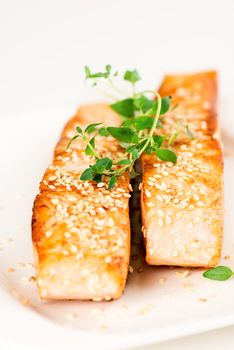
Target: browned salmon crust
<point x="182" y="204"/>
<point x="81" y="230"/>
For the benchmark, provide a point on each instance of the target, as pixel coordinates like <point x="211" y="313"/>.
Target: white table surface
<point x="45" y="44"/>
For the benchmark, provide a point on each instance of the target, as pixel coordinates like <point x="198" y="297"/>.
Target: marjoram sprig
<point x="141" y="117"/>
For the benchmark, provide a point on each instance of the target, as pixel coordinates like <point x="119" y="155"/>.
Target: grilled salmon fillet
<point x="182" y="204"/>
<point x="81" y="230"/>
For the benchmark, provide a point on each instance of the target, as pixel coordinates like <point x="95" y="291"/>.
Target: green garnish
<point x="141" y="115"/>
<point x="219" y="273"/>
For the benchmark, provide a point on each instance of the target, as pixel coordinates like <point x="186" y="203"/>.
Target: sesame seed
<point x="67" y="234"/>
<point x="108" y="259"/>
<point x="148" y="193"/>
<point x="52" y="178"/>
<point x="101" y="184"/>
<point x="48" y="234"/>
<point x="52" y="271"/>
<point x="130" y="269"/>
<point x="65" y="252"/>
<point x="196" y="197"/>
<point x="168" y="219"/>
<point x="160" y="212"/>
<point x="10" y="269"/>
<point x="160" y="222"/>
<point x="52" y="187"/>
<point x="59" y="207"/>
<point x="55" y="201"/>
<point x="151" y="179"/>
<point x="183" y="274"/>
<point x="162" y="280"/>
<point x="159" y="198"/>
<point x="227" y="257"/>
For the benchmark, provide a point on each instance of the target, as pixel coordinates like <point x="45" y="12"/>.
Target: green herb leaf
<point x="129" y="149"/>
<point x="112" y="182"/>
<point x="88" y="174"/>
<point x="135" y="154"/>
<point x="132" y="76"/>
<point x="87" y="72"/>
<point x="72" y="139"/>
<point x="158" y="140"/>
<point x="98" y="178"/>
<point x="219" y="273"/>
<point x="102" y="164"/>
<point x="79" y="130"/>
<point x="123" y="134"/>
<point x="91" y="127"/>
<point x="124" y="107"/>
<point x="124" y="162"/>
<point x="143" y="103"/>
<point x="165" y="106"/>
<point x="104" y="74"/>
<point x="142" y="123"/>
<point x="166" y="155"/>
<point x="103" y="132"/>
<point x="89" y="151"/>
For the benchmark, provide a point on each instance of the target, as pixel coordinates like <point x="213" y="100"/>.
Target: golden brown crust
<point x="182" y="204"/>
<point x="80" y="230"/>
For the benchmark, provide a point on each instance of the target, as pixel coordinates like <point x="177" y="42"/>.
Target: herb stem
<point x="157" y="114"/>
<point x="96" y="155"/>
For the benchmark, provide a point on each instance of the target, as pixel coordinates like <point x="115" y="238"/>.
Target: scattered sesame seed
<point x="183" y="274"/>
<point x="203" y="300"/>
<point x="10" y="269"/>
<point x="227" y="257"/>
<point x="162" y="280"/>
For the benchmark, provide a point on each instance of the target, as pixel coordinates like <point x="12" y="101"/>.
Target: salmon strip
<point x="182" y="204"/>
<point x="81" y="230"/>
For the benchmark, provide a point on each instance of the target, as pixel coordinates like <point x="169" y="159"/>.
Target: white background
<point x="44" y="45"/>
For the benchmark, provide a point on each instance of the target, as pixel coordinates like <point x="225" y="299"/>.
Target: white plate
<point x="151" y="309"/>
